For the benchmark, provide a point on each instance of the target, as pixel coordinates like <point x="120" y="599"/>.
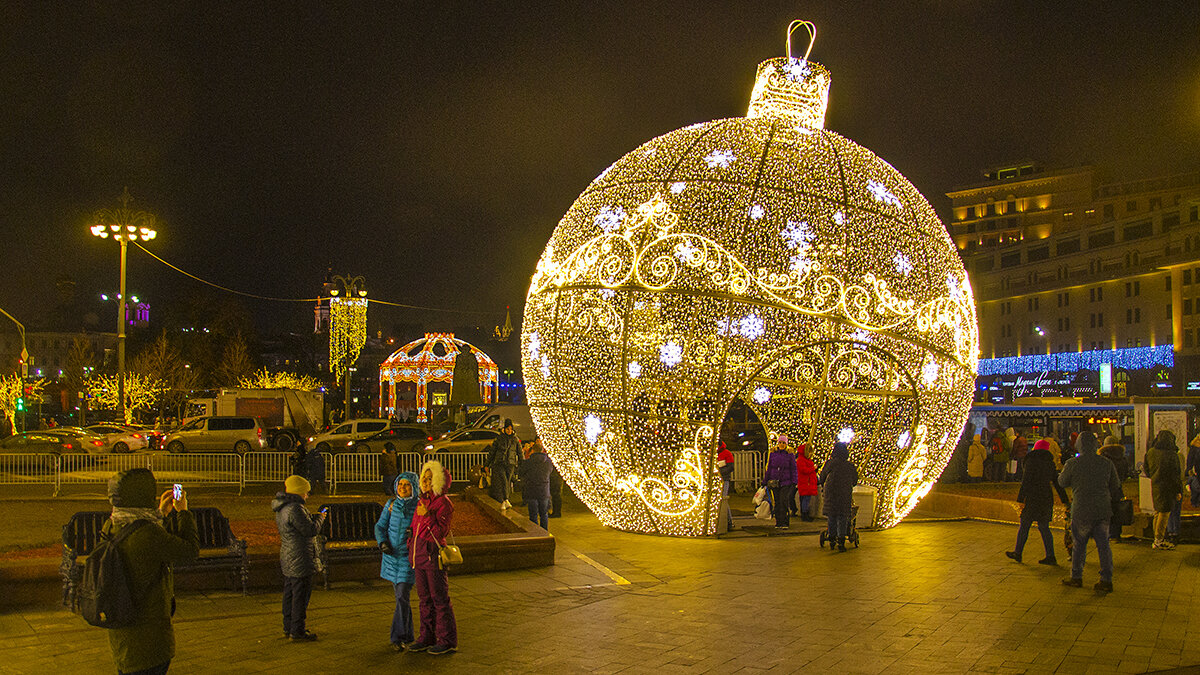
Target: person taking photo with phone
<point x="297" y="530"/>
<point x="167" y="535"/>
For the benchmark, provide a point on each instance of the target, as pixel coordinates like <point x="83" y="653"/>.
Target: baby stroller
<point x="851" y="538"/>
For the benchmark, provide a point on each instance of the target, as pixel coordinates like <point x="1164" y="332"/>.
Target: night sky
<point x="432" y="147"/>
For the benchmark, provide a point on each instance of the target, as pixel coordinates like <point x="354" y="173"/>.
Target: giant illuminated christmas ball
<point x="760" y="258"/>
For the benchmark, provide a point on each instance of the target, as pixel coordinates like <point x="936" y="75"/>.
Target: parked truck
<point x="288" y="415"/>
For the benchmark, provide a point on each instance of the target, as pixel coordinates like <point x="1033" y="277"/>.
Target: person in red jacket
<point x="725" y="469"/>
<point x="430" y="526"/>
<point x="806" y="486"/>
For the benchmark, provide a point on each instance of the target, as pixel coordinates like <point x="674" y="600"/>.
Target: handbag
<point x="449" y="554"/>
<point x="1124" y="512"/>
<point x="773" y="484"/>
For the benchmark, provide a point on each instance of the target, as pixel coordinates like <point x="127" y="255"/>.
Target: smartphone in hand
<point x="177" y="492"/>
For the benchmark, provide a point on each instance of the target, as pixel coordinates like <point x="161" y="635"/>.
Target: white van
<point x="343" y="437"/>
<point x="493" y="418"/>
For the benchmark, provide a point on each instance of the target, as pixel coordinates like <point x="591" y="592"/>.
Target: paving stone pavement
<point x="932" y="597"/>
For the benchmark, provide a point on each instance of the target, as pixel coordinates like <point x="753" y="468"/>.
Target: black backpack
<point x="105" y="598"/>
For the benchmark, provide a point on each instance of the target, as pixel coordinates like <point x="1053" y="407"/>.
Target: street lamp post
<point x="347" y="328"/>
<point x="124" y="225"/>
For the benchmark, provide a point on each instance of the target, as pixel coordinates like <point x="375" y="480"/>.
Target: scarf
<point x="122" y="516"/>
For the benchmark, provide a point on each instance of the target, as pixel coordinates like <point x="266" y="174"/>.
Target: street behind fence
<point x="345" y="468"/>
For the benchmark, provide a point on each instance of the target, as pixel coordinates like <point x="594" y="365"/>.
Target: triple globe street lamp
<point x="124" y="225"/>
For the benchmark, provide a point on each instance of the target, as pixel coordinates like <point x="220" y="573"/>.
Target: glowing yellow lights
<point x="141" y="392"/>
<point x="431" y="359"/>
<point x="763" y="259"/>
<point x="265" y="379"/>
<point x="347" y="333"/>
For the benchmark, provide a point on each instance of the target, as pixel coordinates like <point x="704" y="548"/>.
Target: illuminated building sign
<point x="1105" y="378"/>
<point x="1105" y="372"/>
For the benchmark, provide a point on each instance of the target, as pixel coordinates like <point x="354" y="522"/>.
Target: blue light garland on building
<point x="1132" y="358"/>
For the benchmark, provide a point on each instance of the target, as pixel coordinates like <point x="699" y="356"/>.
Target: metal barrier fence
<point x="28" y="469"/>
<point x="460" y="463"/>
<point x="749" y="466"/>
<point x="253" y="467"/>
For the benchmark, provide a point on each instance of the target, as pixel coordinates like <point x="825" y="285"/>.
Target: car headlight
<point x="311" y="438"/>
<point x="428" y="448"/>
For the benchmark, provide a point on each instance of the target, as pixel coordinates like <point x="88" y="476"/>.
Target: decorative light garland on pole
<point x="347" y="324"/>
<point x="763" y="259"/>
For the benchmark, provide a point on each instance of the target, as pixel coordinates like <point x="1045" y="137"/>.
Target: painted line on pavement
<point x="617" y="578"/>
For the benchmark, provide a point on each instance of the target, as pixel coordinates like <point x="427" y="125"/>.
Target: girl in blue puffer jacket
<point x="392" y="532"/>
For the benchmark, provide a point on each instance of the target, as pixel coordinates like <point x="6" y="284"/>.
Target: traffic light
<point x="21" y="404"/>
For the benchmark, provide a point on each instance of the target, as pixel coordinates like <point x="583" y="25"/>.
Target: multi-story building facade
<point x="1077" y="281"/>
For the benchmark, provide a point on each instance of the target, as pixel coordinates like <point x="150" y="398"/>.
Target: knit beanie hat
<point x="1112" y="440"/>
<point x="508" y="423"/>
<point x="297" y="485"/>
<point x="133" y="488"/>
<point x="782" y="439"/>
<point x="1042" y="445"/>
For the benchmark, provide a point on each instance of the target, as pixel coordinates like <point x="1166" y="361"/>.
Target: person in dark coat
<point x="1166" y="483"/>
<point x="1114" y="451"/>
<point x="314" y="468"/>
<point x="535" y="483"/>
<point x="1093" y="483"/>
<point x="1038" y="483"/>
<point x="297" y="531"/>
<point x="148" y="645"/>
<point x="839" y="476"/>
<point x="780" y="478"/>
<point x="504" y="454"/>
<point x="1193" y="470"/>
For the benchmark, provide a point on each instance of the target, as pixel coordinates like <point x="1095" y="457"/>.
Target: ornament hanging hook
<point x="812" y="36"/>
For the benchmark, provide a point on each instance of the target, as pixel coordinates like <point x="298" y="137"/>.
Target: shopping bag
<point x="763" y="512"/>
<point x="760" y="497"/>
<point x="1124" y="512"/>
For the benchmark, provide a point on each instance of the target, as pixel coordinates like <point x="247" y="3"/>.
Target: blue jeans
<point x="539" y="512"/>
<point x="839" y="528"/>
<point x="728" y="513"/>
<point x="1173" y="519"/>
<point x="402" y="625"/>
<point x="1023" y="535"/>
<point x="1098" y="532"/>
<point x="805" y="503"/>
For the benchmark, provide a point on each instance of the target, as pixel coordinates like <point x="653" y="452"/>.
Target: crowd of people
<point x="793" y="482"/>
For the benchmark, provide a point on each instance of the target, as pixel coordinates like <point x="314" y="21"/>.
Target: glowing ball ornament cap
<point x="764" y="259"/>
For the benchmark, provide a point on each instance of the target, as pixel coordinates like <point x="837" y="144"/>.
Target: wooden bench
<point x="348" y="534"/>
<point x="219" y="548"/>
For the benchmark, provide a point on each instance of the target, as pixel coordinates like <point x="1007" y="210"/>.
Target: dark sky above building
<point x="432" y="147"/>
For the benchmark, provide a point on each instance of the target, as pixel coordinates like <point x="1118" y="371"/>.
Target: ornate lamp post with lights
<point x="124" y="225"/>
<point x="347" y="328"/>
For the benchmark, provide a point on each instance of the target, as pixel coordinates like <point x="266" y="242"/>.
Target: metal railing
<point x="17" y="469"/>
<point x="460" y="463"/>
<point x="749" y="466"/>
<point x="266" y="467"/>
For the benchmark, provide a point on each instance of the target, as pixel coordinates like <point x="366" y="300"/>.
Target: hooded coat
<point x="535" y="475"/>
<point x="839" y="476"/>
<point x="147" y="553"/>
<point x="1115" y="452"/>
<point x="806" y="473"/>
<point x="431" y="528"/>
<point x="395" y="527"/>
<point x="297" y="533"/>
<point x="975" y="456"/>
<point x="1162" y="466"/>
<point x="1039" y="483"/>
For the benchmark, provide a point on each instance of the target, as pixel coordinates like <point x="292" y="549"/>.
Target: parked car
<point x="494" y="418"/>
<point x="467" y="440"/>
<point x="344" y="435"/>
<point x="400" y="438"/>
<point x="119" y="438"/>
<point x="218" y="434"/>
<point x="56" y="441"/>
<point x="154" y="436"/>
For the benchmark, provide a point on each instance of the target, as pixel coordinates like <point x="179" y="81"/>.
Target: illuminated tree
<point x="81" y="361"/>
<point x="235" y="364"/>
<point x="162" y="361"/>
<point x="760" y="258"/>
<point x="12" y="387"/>
<point x="141" y="392"/>
<point x="264" y="379"/>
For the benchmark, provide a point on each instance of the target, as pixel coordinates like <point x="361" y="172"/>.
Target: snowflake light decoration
<point x="609" y="219"/>
<point x="853" y="327"/>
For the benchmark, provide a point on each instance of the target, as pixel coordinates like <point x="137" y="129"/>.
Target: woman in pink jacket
<point x="430" y="526"/>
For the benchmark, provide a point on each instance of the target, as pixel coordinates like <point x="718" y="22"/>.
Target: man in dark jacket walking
<point x="1093" y="484"/>
<point x="148" y="645"/>
<point x="297" y="530"/>
<point x="839" y="476"/>
<point x="535" y="483"/>
<point x="503" y="456"/>
<point x="1038" y="484"/>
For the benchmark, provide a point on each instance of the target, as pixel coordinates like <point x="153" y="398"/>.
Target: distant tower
<point x="321" y="308"/>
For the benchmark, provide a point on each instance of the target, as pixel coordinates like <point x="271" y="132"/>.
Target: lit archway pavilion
<point x="430" y="360"/>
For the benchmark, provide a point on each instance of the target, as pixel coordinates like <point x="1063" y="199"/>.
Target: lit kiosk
<point x="761" y="258"/>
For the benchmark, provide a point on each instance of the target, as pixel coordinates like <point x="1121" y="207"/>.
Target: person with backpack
<point x="149" y="540"/>
<point x="297" y="532"/>
<point x="392" y="532"/>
